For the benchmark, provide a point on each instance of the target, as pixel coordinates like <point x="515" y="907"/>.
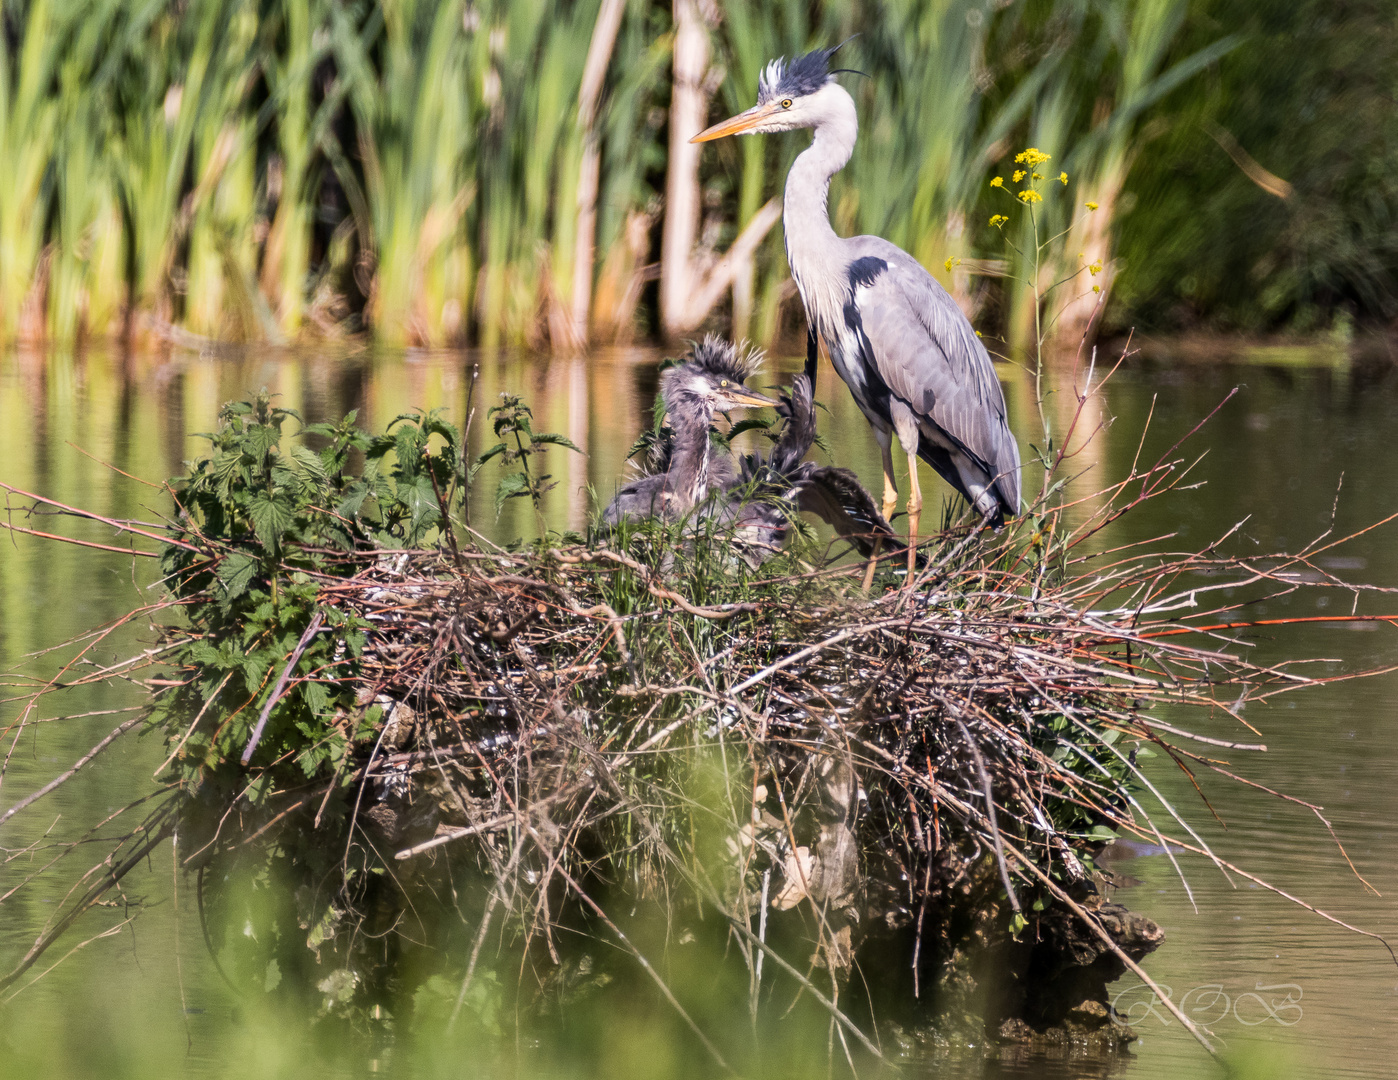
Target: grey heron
<point x="687" y="470"/>
<point x="758" y="494"/>
<point x="907" y="353"/>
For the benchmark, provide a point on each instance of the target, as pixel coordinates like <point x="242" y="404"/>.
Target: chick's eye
<point x="786" y="104"/>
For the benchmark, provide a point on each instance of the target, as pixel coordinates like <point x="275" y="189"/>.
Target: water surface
<point x="1297" y="451"/>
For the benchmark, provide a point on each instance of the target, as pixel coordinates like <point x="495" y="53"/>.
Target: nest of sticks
<point x="895" y="769"/>
<point x="646" y="718"/>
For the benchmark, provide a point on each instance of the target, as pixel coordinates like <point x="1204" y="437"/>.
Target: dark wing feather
<point x="927" y="354"/>
<point x="838" y="498"/>
<point x="797" y="407"/>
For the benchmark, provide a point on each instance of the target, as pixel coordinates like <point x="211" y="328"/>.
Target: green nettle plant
<point x="512" y="421"/>
<point x="285" y="519"/>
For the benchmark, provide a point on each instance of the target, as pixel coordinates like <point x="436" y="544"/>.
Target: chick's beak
<point x="736" y="125"/>
<point x="734" y="398"/>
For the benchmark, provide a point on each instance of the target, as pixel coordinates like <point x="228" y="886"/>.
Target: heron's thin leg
<point x="890" y="500"/>
<point x="890" y="485"/>
<point x="914" y="512"/>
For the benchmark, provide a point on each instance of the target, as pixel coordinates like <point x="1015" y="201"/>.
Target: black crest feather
<point x="795" y="78"/>
<point x="724" y="360"/>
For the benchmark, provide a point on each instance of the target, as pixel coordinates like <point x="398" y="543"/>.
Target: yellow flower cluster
<point x="1031" y="157"/>
<point x="1036" y="176"/>
<point x="1029" y="195"/>
<point x="999" y="181"/>
<point x="998" y="219"/>
<point x="1095" y="268"/>
<point x="1063" y="177"/>
<point x="951" y="261"/>
<point x="1018" y="176"/>
<point x="1091" y="205"/>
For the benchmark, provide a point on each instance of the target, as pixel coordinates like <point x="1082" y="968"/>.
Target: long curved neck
<point x="813" y="250"/>
<point x="690" y="462"/>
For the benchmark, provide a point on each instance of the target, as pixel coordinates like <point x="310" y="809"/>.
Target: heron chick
<point x="759" y="495"/>
<point x="909" y="356"/>
<point x="686" y="469"/>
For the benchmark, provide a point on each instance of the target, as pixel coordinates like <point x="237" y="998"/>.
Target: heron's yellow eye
<point x="786" y="104"/>
<point x="723" y="382"/>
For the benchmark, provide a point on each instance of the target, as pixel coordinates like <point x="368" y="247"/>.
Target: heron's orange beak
<point x="736" y="125"/>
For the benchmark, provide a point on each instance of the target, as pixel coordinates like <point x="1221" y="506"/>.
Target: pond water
<point x="1297" y="445"/>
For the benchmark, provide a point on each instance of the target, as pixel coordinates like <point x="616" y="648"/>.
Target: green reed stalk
<point x="221" y="210"/>
<point x="414" y="115"/>
<point x="28" y="136"/>
<point x="286" y="257"/>
<point x="1136" y="39"/>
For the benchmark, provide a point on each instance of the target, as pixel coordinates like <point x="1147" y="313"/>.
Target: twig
<point x="311" y="630"/>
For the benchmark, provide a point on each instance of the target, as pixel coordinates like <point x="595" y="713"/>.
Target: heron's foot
<point x="890" y="491"/>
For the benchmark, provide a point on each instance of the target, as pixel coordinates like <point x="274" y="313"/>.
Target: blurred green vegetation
<point x="1311" y="99"/>
<point x="272" y="169"/>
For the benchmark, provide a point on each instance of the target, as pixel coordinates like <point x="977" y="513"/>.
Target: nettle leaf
<point x="255" y="667"/>
<point x="261" y="438"/>
<point x="749" y="424"/>
<point x="311" y="758"/>
<point x="271" y="517"/>
<point x="227" y="466"/>
<point x="379" y="445"/>
<point x="369" y="725"/>
<point x="353" y="501"/>
<point x="408" y="448"/>
<point x="204" y="654"/>
<point x="512" y="486"/>
<point x="316" y="697"/>
<point x="554" y="439"/>
<point x="310" y="463"/>
<point x="236" y="573"/>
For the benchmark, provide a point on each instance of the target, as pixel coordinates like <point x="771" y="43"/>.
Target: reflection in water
<point x="1275" y="460"/>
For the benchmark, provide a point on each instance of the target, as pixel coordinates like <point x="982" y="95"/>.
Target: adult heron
<point x="902" y="346"/>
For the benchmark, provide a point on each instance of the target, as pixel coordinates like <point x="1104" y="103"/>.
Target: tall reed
<point x="422" y="170"/>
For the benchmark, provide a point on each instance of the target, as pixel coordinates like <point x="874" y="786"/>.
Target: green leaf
<point x="310" y="462"/>
<point x="353" y="501"/>
<point x="749" y="424"/>
<point x="236" y="573"/>
<point x="261" y="438"/>
<point x="271" y="517"/>
<point x="512" y="486"/>
<point x="552" y="438"/>
<point x="316" y="697"/>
